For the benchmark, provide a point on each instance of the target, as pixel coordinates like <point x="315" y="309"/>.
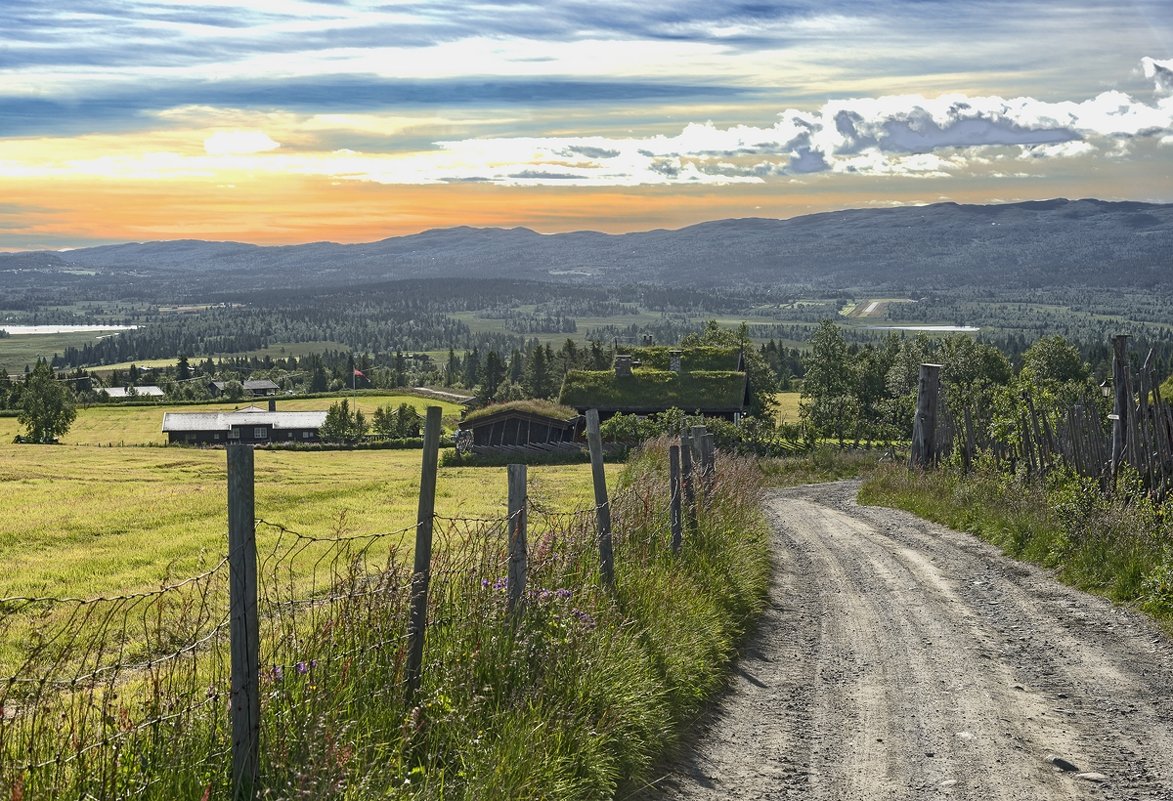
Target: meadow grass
<point x="572" y="698"/>
<point x="1119" y="546"/>
<point x="84" y="521"/>
<point x="787" y="406"/>
<point x="115" y="424"/>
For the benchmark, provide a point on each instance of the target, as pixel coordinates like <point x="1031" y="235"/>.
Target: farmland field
<point x="141" y="425"/>
<point x="787" y="406"/>
<point x="84" y="520"/>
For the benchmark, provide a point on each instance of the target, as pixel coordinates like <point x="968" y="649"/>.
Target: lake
<point x="17" y="330"/>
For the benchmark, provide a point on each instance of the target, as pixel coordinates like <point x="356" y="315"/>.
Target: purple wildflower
<point x="563" y="594"/>
<point x="302" y="668"/>
<point x="484" y="584"/>
<point x="501" y="583"/>
<point x="584" y="618"/>
<point x="277" y="673"/>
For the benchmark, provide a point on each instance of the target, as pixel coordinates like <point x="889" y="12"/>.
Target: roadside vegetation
<point x="574" y="698"/>
<point x="1119" y="546"/>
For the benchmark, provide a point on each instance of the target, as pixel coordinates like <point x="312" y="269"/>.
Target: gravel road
<point x="901" y="660"/>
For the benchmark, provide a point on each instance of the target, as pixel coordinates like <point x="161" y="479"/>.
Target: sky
<point x="289" y="121"/>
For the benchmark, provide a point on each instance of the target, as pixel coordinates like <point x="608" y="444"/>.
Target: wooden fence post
<point x="924" y="427"/>
<point x="709" y="449"/>
<point x="517" y="535"/>
<point x="421" y="572"/>
<point x="1122" y="401"/>
<point x="244" y="626"/>
<point x="674" y="492"/>
<point x="602" y="504"/>
<point x="686" y="475"/>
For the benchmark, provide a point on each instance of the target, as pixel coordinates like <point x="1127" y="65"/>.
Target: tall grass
<point x="1119" y="546"/>
<point x="570" y="698"/>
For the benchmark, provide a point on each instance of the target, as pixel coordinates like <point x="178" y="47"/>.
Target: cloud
<point x="1161" y="72"/>
<point x="236" y="143"/>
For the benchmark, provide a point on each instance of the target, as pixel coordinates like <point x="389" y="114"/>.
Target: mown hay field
<point x="83" y="520"/>
<point x="787" y="406"/>
<point x="114" y="424"/>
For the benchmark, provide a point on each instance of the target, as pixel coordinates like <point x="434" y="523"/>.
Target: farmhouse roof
<point x="532" y="408"/>
<point x="148" y="391"/>
<point x="701" y="357"/>
<point x="648" y="390"/>
<point x="248" y="416"/>
<point x="251" y="385"/>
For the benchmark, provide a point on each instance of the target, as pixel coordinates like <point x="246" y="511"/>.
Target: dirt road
<point x="902" y="660"/>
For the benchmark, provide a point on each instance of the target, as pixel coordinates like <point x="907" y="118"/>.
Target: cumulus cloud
<point x="909" y="135"/>
<point x="1160" y="72"/>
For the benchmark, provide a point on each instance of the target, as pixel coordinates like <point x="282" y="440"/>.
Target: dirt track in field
<point x="901" y="660"/>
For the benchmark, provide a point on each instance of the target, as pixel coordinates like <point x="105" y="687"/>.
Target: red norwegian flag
<point x="359" y="373"/>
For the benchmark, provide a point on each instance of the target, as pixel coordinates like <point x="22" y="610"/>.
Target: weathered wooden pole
<point x="244" y="626"/>
<point x="517" y="535"/>
<point x="924" y="426"/>
<point x="1120" y="415"/>
<point x="421" y="571"/>
<point x="967" y="452"/>
<point x="686" y="476"/>
<point x="602" y="504"/>
<point x="675" y="490"/>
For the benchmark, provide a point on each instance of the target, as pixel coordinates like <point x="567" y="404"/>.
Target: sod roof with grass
<point x="530" y="406"/>
<point x="649" y="390"/>
<point x="704" y="357"/>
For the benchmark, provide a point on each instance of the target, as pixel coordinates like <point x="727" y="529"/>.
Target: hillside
<point x="1034" y="244"/>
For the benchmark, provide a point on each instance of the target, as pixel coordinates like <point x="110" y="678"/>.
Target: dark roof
<point x="650" y="390"/>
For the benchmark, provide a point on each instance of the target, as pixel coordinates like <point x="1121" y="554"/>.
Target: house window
<point x="234" y="434"/>
<point x="305" y="435"/>
<point x="218" y="436"/>
<point x="260" y="433"/>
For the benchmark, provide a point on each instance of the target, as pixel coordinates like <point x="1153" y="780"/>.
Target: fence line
<point x="175" y="691"/>
<point x="1079" y="437"/>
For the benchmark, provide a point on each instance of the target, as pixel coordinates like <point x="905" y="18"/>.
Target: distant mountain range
<point x="1034" y="244"/>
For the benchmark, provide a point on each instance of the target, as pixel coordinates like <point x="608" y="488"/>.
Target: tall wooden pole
<point x="1122" y="401"/>
<point x="686" y="477"/>
<point x="517" y="535"/>
<point x="244" y="626"/>
<point x="924" y="427"/>
<point x="602" y="503"/>
<point x="675" y="490"/>
<point x="421" y="572"/>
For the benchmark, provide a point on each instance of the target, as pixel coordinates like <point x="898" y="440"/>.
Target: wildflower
<point x="484" y="584"/>
<point x="277" y="673"/>
<point x="545" y="595"/>
<point x="584" y="618"/>
<point x="501" y="583"/>
<point x="563" y="594"/>
<point x="302" y="668"/>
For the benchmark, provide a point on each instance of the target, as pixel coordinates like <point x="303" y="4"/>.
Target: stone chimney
<point x="622" y="366"/>
<point x="649" y="340"/>
<point x="272" y="404"/>
<point x="674" y="360"/>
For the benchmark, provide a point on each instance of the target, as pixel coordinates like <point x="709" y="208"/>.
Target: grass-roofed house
<point x="706" y="380"/>
<point x="522" y="424"/>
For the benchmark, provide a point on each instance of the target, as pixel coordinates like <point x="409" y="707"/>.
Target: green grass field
<point x="85" y="520"/>
<point x="142" y="425"/>
<point x="787" y="406"/>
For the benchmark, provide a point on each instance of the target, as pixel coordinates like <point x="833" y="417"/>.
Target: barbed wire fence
<point x="250" y="678"/>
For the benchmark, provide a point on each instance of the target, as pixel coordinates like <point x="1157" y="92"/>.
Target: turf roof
<point x="652" y="389"/>
<point x="535" y="406"/>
